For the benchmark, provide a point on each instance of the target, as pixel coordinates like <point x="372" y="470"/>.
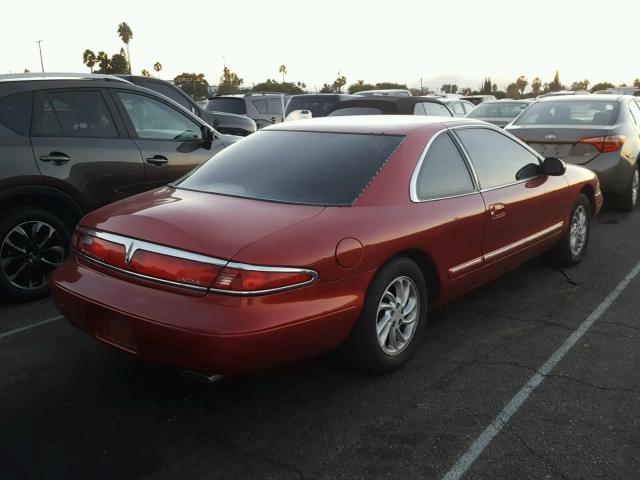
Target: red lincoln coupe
<point x="311" y="235"/>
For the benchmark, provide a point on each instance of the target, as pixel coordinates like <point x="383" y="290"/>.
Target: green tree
<point x="446" y="88"/>
<point x="271" y="85"/>
<point x="486" y="86"/>
<point x="536" y="86"/>
<point x="118" y="63"/>
<point x="103" y="62"/>
<point x="229" y="82"/>
<point x="157" y="67"/>
<point x="194" y="84"/>
<point x="145" y="73"/>
<point x="602" y="86"/>
<point x="513" y="91"/>
<point x="555" y="85"/>
<point x="338" y="83"/>
<point x="391" y="85"/>
<point x="89" y="59"/>
<point x="326" y="88"/>
<point x="282" y="71"/>
<point x="499" y="94"/>
<point x="636" y="82"/>
<point x="359" y="86"/>
<point x="126" y="34"/>
<point x="522" y="83"/>
<point x="583" y="85"/>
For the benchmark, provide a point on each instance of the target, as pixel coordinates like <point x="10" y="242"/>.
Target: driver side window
<point x="155" y="120"/>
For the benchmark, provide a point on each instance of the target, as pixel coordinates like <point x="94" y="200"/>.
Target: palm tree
<point x="103" y="62"/>
<point x="283" y="71"/>
<point x="157" y="67"/>
<point x="125" y="34"/>
<point x="145" y="73"/>
<point x="89" y="59"/>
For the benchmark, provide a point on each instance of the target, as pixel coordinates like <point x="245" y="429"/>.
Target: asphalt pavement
<point x="71" y="407"/>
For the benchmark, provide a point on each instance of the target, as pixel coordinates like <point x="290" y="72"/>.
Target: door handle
<point x="497" y="210"/>
<point x="57" y="158"/>
<point x="158" y="160"/>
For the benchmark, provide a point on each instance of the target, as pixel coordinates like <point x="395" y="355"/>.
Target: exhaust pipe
<point x="201" y="377"/>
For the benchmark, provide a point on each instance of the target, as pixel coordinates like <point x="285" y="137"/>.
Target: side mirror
<point x="207" y="136"/>
<point x="553" y="167"/>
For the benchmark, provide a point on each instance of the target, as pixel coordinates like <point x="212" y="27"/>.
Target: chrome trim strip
<point x="413" y="193"/>
<point x="144" y="277"/>
<point x="523" y="241"/>
<point x="465" y="265"/>
<point x="132" y="245"/>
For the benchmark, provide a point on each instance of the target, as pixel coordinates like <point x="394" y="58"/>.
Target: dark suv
<point x="71" y="144"/>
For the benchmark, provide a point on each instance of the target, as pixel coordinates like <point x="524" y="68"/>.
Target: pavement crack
<point x="540" y="456"/>
<point x="625" y="325"/>
<point x="570" y="280"/>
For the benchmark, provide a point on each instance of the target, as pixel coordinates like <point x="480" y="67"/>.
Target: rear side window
<point x="418" y="109"/>
<point x="261" y="105"/>
<point x="573" y="112"/>
<point x="343" y="112"/>
<point x="311" y="168"/>
<point x="15" y="112"/>
<point x="436" y="109"/>
<point x="443" y="172"/>
<point x="229" y="105"/>
<point x="274" y="105"/>
<point x="457" y="108"/>
<point x="498" y="160"/>
<point x="73" y="114"/>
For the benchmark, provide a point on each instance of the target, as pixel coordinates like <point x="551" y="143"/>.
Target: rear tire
<point x="571" y="248"/>
<point x="392" y="320"/>
<point x="33" y="242"/>
<point x="629" y="201"/>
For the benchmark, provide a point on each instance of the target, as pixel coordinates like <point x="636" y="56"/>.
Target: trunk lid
<point x="561" y="141"/>
<point x="204" y="223"/>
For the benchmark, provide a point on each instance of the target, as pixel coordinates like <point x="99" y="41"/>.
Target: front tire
<point x="33" y="242"/>
<point x="571" y="248"/>
<point x="392" y="320"/>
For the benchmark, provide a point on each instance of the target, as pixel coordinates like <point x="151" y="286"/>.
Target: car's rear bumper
<point x="613" y="170"/>
<point x="215" y="334"/>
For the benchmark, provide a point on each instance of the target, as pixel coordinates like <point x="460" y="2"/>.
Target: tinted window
<point x="274" y="105"/>
<point x="574" y="112"/>
<point x="318" y="105"/>
<point x="229" y="105"/>
<point x="498" y="160"/>
<point x="418" y="109"/>
<point x="443" y="172"/>
<point x="436" y="109"/>
<point x="155" y="120"/>
<point x="355" y="111"/>
<point x="73" y="114"/>
<point x="261" y="105"/>
<point x="314" y="168"/>
<point x="15" y="112"/>
<point x="169" y="91"/>
<point x="498" y="110"/>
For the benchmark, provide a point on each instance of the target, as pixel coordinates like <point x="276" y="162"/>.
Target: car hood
<point x="205" y="223"/>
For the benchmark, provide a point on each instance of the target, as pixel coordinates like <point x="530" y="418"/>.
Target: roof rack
<point x="11" y="77"/>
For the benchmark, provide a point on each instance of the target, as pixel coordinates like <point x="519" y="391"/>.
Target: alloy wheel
<point x="635" y="187"/>
<point x="397" y="316"/>
<point x="578" y="231"/>
<point x="29" y="253"/>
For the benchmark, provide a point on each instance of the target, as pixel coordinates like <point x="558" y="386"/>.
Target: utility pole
<point x="39" y="42"/>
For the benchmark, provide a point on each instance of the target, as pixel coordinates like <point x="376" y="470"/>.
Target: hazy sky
<point x="460" y="41"/>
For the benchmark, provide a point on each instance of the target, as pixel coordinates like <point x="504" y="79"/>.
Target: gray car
<point x="600" y="132"/>
<point x="500" y="112"/>
<point x="458" y="106"/>
<point x="264" y="108"/>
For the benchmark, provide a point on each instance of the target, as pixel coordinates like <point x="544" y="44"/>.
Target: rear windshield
<point x="575" y="112"/>
<point x="311" y="168"/>
<point x="319" y="106"/>
<point x="344" y="112"/>
<point x="229" y="105"/>
<point x="498" y="110"/>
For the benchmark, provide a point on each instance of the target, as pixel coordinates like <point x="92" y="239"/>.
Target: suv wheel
<point x="33" y="242"/>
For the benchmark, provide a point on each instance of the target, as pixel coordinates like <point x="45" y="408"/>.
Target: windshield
<point x="318" y="105"/>
<point x="229" y="105"/>
<point x="312" y="168"/>
<point x="498" y="110"/>
<point x="574" y="112"/>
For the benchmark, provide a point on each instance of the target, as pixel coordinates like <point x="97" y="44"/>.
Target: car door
<point x="169" y="140"/>
<point x="524" y="208"/>
<point x="82" y="148"/>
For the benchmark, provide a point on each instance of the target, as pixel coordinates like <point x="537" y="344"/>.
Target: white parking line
<point x="30" y="326"/>
<point x="470" y="456"/>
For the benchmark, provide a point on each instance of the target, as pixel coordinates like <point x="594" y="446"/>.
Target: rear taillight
<point x="250" y="279"/>
<point x="177" y="267"/>
<point x="607" y="144"/>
